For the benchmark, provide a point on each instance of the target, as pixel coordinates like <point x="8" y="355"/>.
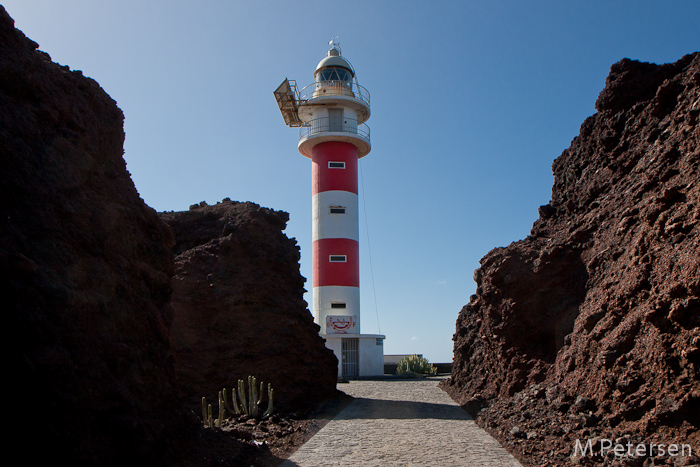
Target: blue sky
<point x="471" y="103"/>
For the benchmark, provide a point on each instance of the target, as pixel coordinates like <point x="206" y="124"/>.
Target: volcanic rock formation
<point x="85" y="281"/>
<point x="589" y="327"/>
<point x="239" y="307"/>
<point x="85" y="271"/>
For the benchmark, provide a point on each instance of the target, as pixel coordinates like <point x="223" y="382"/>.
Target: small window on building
<point x="338" y="258"/>
<point x="338" y="305"/>
<point x="380" y="341"/>
<point x="337" y="210"/>
<point x="336" y="165"/>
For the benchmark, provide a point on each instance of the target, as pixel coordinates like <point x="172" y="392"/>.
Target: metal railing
<point x="333" y="125"/>
<point x="334" y="88"/>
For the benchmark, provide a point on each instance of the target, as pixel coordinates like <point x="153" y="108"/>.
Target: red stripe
<point x="328" y="273"/>
<point x="325" y="179"/>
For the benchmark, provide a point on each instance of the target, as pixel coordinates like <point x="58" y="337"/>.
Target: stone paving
<point x="397" y="422"/>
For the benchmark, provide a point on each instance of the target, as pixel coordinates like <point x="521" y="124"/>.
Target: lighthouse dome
<point x="334" y="68"/>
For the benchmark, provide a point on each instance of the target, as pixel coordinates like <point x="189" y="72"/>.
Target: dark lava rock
<point x="239" y="308"/>
<point x="85" y="271"/>
<point x="600" y="305"/>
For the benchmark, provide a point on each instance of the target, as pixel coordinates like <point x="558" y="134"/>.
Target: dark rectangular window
<point x="337" y="210"/>
<point x="338" y="258"/>
<point x="337" y="305"/>
<point x="336" y="165"/>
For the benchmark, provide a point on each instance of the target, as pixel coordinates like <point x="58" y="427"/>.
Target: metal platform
<point x="286" y="96"/>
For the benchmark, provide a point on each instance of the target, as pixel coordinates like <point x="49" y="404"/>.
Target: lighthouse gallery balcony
<point x="321" y="125"/>
<point x="335" y="88"/>
<point x="324" y="129"/>
<point x="334" y="127"/>
<point x="333" y="93"/>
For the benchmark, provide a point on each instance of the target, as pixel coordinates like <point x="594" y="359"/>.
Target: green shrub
<point x="415" y="364"/>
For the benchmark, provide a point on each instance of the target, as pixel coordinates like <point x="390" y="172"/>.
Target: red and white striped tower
<point x="331" y="114"/>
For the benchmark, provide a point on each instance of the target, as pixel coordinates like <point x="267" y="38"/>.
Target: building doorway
<point x="350" y="356"/>
<point x="335" y="120"/>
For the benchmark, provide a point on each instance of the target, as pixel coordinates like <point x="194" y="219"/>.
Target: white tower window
<point x="338" y="305"/>
<point x="338" y="258"/>
<point x="337" y="210"/>
<point x="336" y="165"/>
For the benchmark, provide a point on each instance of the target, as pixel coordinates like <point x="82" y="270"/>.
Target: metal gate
<point x="350" y="356"/>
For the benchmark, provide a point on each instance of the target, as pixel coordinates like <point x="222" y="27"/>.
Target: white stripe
<point x="327" y="225"/>
<point x="324" y="296"/>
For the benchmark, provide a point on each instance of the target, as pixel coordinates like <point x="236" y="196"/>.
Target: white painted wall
<point x="324" y="296"/>
<point x="336" y="346"/>
<point x="371" y="355"/>
<point x="327" y="225"/>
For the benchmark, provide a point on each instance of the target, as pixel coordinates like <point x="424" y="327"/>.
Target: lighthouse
<point x="331" y="114"/>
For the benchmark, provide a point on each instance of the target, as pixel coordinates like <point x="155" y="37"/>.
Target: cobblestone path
<point x="401" y="423"/>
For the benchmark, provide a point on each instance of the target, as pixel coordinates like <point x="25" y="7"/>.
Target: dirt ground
<point x="245" y="441"/>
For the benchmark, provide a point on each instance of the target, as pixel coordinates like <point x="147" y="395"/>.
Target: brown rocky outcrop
<point x="589" y="328"/>
<point x="85" y="270"/>
<point x="85" y="281"/>
<point x="239" y="307"/>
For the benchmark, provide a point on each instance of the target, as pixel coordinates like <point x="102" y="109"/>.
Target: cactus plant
<point x="227" y="406"/>
<point x="242" y="397"/>
<point x="250" y="404"/>
<point x="242" y="404"/>
<point x="415" y="364"/>
<point x="207" y="418"/>
<point x="222" y="410"/>
<point x="270" y="393"/>
<point x="253" y="399"/>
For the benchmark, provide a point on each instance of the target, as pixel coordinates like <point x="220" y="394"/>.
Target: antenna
<point x="334" y="43"/>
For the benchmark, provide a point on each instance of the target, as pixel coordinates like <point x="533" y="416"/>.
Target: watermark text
<point x="601" y="447"/>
